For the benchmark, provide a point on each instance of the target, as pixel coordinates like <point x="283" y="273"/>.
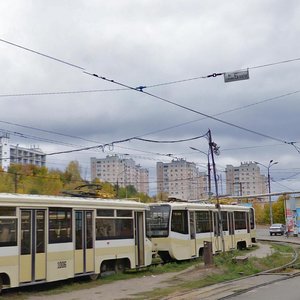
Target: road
<point x="286" y="290"/>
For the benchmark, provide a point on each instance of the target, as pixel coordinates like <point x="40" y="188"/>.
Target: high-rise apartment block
<point x="181" y="179"/>
<point x="245" y="180"/>
<point x="10" y="154"/>
<point x="121" y="172"/>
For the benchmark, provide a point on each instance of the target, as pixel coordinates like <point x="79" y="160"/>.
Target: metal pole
<point x="209" y="177"/>
<point x="16" y="182"/>
<point x="208" y="170"/>
<point x="220" y="224"/>
<point x="271" y="163"/>
<point x="270" y="200"/>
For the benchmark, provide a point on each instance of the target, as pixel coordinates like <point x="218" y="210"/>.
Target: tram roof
<point x="26" y="200"/>
<point x="194" y="205"/>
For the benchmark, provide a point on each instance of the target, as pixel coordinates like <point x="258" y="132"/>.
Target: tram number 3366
<point x="61" y="264"/>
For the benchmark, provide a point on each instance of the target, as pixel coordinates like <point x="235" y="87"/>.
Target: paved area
<point x="263" y="250"/>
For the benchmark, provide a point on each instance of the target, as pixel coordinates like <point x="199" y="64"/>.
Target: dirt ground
<point x="129" y="289"/>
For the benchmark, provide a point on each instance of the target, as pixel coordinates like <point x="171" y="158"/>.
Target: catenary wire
<point x="60" y="93"/>
<point x="141" y="89"/>
<point x="189" y="109"/>
<point x="42" y="54"/>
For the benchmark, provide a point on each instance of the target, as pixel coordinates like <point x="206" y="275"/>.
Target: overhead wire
<point x="41" y="54"/>
<point x="225" y="112"/>
<point x="60" y="93"/>
<point x="27" y="136"/>
<point x="127" y="140"/>
<point x="141" y="90"/>
<point x="189" y="109"/>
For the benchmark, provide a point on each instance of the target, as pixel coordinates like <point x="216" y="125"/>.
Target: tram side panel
<point x="9" y="250"/>
<point x="242" y="229"/>
<point x="60" y="249"/>
<point x="120" y="240"/>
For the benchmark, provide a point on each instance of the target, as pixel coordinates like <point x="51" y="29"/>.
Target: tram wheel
<point x="94" y="276"/>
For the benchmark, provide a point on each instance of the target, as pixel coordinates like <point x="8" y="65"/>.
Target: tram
<point x="180" y="230"/>
<point x="49" y="238"/>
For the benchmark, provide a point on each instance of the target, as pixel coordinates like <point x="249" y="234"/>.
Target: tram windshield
<point x="157" y="220"/>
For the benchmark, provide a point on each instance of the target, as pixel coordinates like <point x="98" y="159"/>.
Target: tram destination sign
<point x="237" y="75"/>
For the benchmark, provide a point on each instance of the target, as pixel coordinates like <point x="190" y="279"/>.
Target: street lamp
<point x="271" y="163"/>
<point x="208" y="169"/>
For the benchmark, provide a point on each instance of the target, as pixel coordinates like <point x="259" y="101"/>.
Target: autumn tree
<point x="6" y="182"/>
<point x="278" y="210"/>
<point x="259" y="212"/>
<point x="71" y="177"/>
<point x="161" y="197"/>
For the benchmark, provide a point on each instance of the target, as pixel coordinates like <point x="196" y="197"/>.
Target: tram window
<point x="252" y="219"/>
<point x="179" y="221"/>
<point x="157" y="221"/>
<point x="105" y="213"/>
<point x="7" y="211"/>
<point x="224" y="221"/>
<point x="8" y="232"/>
<point x="60" y="225"/>
<point x="125" y="228"/>
<point x="124" y="213"/>
<point x="79" y="230"/>
<point x="26" y="232"/>
<point x="114" y="229"/>
<point x="203" y="221"/>
<point x="240" y="220"/>
<point x="89" y="230"/>
<point x="40" y="235"/>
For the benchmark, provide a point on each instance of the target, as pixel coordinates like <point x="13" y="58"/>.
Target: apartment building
<point x="121" y="171"/>
<point x="245" y="179"/>
<point x="14" y="154"/>
<point x="181" y="179"/>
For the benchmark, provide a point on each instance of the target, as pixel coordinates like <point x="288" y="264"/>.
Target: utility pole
<point x="271" y="163"/>
<point x="16" y="182"/>
<point x="214" y="149"/>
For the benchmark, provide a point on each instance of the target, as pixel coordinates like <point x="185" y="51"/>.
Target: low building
<point x="15" y="154"/>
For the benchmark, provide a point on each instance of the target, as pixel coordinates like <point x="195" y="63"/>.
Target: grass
<point x="224" y="269"/>
<point x="227" y="270"/>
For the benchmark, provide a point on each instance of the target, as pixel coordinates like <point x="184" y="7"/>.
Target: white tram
<point x="179" y="230"/>
<point x="48" y="238"/>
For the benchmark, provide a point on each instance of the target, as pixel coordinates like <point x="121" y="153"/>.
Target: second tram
<point x="179" y="230"/>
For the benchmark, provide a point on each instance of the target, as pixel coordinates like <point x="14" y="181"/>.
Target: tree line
<point x="31" y="179"/>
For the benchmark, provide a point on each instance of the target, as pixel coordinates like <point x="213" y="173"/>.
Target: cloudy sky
<point x="169" y="47"/>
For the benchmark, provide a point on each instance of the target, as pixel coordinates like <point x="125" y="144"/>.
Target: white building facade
<point x="120" y="171"/>
<point x="245" y="179"/>
<point x="11" y="154"/>
<point x="181" y="179"/>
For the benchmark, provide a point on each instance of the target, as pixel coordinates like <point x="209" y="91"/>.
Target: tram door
<point x="139" y="239"/>
<point x="33" y="246"/>
<point x="217" y="233"/>
<point x="84" y="242"/>
<point x="231" y="229"/>
<point x="192" y="233"/>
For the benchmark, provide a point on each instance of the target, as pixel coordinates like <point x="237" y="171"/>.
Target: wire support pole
<point x="215" y="150"/>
